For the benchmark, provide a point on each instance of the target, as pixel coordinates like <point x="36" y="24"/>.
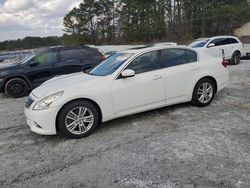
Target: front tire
<point x="203" y="93"/>
<point x="236" y="58"/>
<point x="16" y="88"/>
<point x="78" y="119"/>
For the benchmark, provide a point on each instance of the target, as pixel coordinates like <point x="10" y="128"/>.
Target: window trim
<point x="131" y="59"/>
<point x="187" y="60"/>
<point x="118" y="76"/>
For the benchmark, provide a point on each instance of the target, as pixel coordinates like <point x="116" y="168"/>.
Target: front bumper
<point x="42" y="122"/>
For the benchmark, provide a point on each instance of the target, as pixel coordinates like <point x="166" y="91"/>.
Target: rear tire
<point x="203" y="93"/>
<point x="236" y="58"/>
<point x="77" y="119"/>
<point x="16" y="88"/>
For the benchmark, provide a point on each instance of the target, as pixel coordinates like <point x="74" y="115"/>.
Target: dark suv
<point x="16" y="80"/>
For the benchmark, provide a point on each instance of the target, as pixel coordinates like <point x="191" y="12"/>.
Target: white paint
<point x="121" y="97"/>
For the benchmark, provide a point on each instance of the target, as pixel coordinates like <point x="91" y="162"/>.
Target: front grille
<point x="28" y="102"/>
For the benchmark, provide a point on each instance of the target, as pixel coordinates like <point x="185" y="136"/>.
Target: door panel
<point x="143" y="91"/>
<point x="69" y="62"/>
<point x="179" y="73"/>
<point x="220" y="46"/>
<point x="140" y="92"/>
<point x="68" y="66"/>
<point x="41" y="67"/>
<point x="179" y="82"/>
<point x="216" y="51"/>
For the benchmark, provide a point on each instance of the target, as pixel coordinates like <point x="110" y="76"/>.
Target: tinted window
<point x="46" y="57"/>
<point x="145" y="63"/>
<point x="199" y="44"/>
<point x="173" y="57"/>
<point x="218" y="42"/>
<point x="232" y="41"/>
<point x="191" y="56"/>
<point x="111" y="64"/>
<point x="70" y="54"/>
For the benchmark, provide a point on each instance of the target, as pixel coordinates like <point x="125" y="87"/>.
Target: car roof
<point x="70" y="47"/>
<point x="202" y="39"/>
<point x="145" y="49"/>
<point x="215" y="37"/>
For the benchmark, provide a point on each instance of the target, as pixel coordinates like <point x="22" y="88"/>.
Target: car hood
<point x="59" y="83"/>
<point x="8" y="65"/>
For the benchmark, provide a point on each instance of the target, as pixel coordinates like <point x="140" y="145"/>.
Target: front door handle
<point x="157" y="77"/>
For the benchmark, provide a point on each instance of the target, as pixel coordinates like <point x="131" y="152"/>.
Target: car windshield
<point x="110" y="65"/>
<point x="198" y="44"/>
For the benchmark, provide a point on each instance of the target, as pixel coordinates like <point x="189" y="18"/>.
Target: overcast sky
<point x="21" y="18"/>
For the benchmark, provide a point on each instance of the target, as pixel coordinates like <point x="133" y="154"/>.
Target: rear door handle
<point x="157" y="77"/>
<point x="195" y="68"/>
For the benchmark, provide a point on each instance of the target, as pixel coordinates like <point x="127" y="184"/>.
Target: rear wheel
<point x="16" y="88"/>
<point x="203" y="93"/>
<point x="236" y="57"/>
<point x="78" y="119"/>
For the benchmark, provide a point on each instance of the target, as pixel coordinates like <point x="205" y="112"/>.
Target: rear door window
<point x="70" y="54"/>
<point x="174" y="57"/>
<point x="191" y="56"/>
<point x="232" y="41"/>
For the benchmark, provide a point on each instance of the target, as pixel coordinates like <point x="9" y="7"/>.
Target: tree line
<point x="29" y="43"/>
<point x="145" y="21"/>
<point x="142" y="21"/>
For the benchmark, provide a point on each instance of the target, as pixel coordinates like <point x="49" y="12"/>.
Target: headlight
<point x="46" y="102"/>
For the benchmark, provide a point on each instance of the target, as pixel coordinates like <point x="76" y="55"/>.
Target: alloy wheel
<point x="79" y="120"/>
<point x="205" y="92"/>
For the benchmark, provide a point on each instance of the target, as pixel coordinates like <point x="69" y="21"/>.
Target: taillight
<point x="225" y="63"/>
<point x="102" y="57"/>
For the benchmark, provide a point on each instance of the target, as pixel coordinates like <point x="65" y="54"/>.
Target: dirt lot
<point x="177" y="146"/>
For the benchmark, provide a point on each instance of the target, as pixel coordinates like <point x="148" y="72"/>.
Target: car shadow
<point x="126" y="120"/>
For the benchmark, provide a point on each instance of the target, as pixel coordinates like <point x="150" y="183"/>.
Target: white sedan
<point x="129" y="82"/>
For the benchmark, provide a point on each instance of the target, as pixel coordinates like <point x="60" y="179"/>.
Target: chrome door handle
<point x="157" y="77"/>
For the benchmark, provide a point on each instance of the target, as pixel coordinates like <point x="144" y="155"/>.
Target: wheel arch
<point x="236" y="51"/>
<point x="16" y="76"/>
<point x="80" y="99"/>
<point x="212" y="79"/>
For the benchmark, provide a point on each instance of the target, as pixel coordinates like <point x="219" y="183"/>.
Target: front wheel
<point x="203" y="93"/>
<point x="78" y="119"/>
<point x="16" y="88"/>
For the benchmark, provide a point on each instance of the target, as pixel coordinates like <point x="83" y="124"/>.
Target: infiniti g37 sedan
<point x="128" y="82"/>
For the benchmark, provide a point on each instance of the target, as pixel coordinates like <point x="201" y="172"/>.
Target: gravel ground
<point x="177" y="146"/>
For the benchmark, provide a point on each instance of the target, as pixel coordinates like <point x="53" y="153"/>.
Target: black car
<point x="16" y="80"/>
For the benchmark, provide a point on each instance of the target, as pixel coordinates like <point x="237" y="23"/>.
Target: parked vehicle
<point x="107" y="54"/>
<point x="16" y="80"/>
<point x="163" y="44"/>
<point x="128" y="82"/>
<point x="1" y="59"/>
<point x="230" y="46"/>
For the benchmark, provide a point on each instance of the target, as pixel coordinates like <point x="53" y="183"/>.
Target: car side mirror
<point x="33" y="64"/>
<point x="128" y="73"/>
<point x="211" y="45"/>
